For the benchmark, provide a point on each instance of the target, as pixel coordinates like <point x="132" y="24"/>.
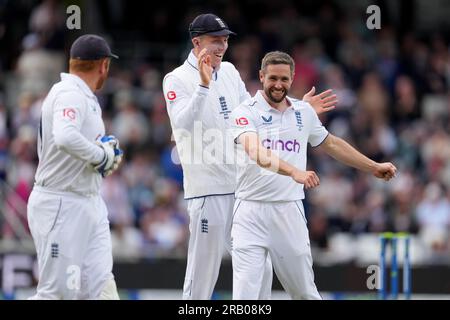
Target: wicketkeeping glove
<point x="118" y="153"/>
<point x="108" y="144"/>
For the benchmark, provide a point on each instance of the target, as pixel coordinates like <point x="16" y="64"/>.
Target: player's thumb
<point x="311" y="92"/>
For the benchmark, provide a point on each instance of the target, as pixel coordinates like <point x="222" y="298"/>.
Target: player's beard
<point x="275" y="99"/>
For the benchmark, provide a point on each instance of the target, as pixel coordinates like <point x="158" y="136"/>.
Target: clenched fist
<point x="385" y="170"/>
<point x="307" y="178"/>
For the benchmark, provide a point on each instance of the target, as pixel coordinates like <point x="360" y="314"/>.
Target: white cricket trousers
<point x="73" y="244"/>
<point x="277" y="229"/>
<point x="210" y="228"/>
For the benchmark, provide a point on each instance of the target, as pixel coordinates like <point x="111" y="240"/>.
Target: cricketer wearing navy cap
<point x="67" y="216"/>
<point x="90" y="47"/>
<point x="203" y="91"/>
<point x="88" y="52"/>
<point x="209" y="35"/>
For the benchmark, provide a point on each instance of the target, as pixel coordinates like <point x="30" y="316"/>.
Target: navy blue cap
<point x="209" y="24"/>
<point x="90" y="47"/>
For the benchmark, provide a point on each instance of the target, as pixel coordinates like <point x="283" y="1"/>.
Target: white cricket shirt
<point x="71" y="121"/>
<point x="200" y="123"/>
<point x="285" y="133"/>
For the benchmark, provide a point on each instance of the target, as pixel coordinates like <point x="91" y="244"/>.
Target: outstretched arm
<point x="268" y="160"/>
<point x="345" y="153"/>
<point x="322" y="102"/>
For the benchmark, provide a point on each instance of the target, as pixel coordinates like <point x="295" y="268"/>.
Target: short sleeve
<point x="318" y="132"/>
<point x="242" y="120"/>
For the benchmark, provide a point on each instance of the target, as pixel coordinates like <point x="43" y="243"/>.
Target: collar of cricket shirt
<point x="193" y="62"/>
<point x="267" y="107"/>
<point x="79" y="82"/>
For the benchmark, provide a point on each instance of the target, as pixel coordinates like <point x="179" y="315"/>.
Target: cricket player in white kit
<point x="200" y="95"/>
<point x="272" y="131"/>
<point x="66" y="215"/>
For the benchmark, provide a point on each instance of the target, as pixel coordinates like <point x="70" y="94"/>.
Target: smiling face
<point x="276" y="80"/>
<point x="216" y="47"/>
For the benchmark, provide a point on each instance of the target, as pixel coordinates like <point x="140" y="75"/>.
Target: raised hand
<point x="322" y="102"/>
<point x="204" y="68"/>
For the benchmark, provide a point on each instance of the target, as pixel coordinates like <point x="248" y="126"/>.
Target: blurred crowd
<point x="394" y="105"/>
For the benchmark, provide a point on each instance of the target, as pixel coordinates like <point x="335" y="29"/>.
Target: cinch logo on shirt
<point x="291" y="146"/>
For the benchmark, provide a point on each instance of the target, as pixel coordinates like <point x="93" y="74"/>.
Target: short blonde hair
<point x="79" y="65"/>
